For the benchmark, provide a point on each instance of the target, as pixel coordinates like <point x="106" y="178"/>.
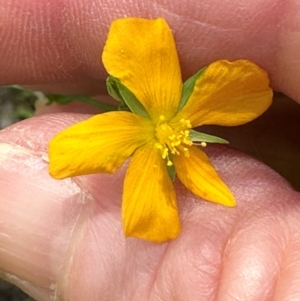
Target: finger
<point x="260" y="258"/>
<point x="31" y="250"/>
<point x="58" y="44"/>
<point x="39" y="215"/>
<point x="248" y="243"/>
<point x="272" y="138"/>
<point x="64" y="238"/>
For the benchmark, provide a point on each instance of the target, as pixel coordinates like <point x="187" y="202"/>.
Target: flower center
<point x="173" y="139"/>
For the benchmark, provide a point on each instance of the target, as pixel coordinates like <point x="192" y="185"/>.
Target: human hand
<point x="64" y="238"/>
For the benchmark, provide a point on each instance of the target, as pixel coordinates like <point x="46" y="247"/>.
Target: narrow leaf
<point x="188" y="88"/>
<point x="123" y="94"/>
<point x="201" y="137"/>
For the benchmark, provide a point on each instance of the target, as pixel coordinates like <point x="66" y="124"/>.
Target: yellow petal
<point x="99" y="144"/>
<point x="149" y="207"/>
<point x="199" y="176"/>
<point x="228" y="93"/>
<point x="142" y="55"/>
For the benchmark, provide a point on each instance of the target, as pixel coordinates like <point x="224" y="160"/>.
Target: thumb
<point x="44" y="221"/>
<point x="38" y="214"/>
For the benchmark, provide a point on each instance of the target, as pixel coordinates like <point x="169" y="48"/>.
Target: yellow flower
<point x="141" y="55"/>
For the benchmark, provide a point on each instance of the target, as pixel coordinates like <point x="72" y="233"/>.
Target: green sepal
<point x="171" y="172"/>
<point x="121" y="93"/>
<point x="123" y="107"/>
<point x="66" y="99"/>
<point x="188" y="88"/>
<point x="201" y="137"/>
<point x="113" y="90"/>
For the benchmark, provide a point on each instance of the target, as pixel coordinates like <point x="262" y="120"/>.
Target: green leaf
<point x="66" y="99"/>
<point x="188" y="88"/>
<point x="121" y="93"/>
<point x="23" y="113"/>
<point x="201" y="137"/>
<point x="171" y="172"/>
<point x="23" y="93"/>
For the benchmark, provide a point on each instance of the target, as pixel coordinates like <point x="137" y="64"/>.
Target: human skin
<point x="63" y="239"/>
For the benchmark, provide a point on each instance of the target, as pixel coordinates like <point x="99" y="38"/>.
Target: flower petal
<point x="199" y="176"/>
<point x="149" y="203"/>
<point x="228" y="93"/>
<point x="142" y="55"/>
<point x="99" y="144"/>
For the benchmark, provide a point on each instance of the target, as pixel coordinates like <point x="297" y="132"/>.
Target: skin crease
<point x="62" y="240"/>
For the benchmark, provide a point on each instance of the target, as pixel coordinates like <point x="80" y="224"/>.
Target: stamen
<point x="173" y="139"/>
<point x="187" y="141"/>
<point x="169" y="163"/>
<point x="186" y="123"/>
<point x="186" y="152"/>
<point x="174" y="151"/>
<point x="165" y="153"/>
<point x="158" y="145"/>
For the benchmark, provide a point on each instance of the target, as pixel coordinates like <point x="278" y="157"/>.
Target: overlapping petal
<point x="149" y="206"/>
<point x="100" y="144"/>
<point x="199" y="176"/>
<point x="228" y="94"/>
<point x="142" y="55"/>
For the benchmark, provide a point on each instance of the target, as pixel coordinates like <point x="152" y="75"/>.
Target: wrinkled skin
<point x="63" y="239"/>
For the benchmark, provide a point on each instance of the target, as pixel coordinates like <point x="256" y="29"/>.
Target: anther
<point x="169" y="163"/>
<point x="203" y="144"/>
<point x="165" y="153"/>
<point x="158" y="145"/>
